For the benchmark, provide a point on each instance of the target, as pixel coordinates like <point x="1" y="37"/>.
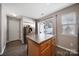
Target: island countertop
<point x="40" y="37"/>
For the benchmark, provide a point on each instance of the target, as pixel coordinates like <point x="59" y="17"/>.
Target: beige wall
<point x="66" y="41"/>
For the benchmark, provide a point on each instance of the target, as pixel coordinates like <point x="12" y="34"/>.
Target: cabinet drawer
<point x="45" y="45"/>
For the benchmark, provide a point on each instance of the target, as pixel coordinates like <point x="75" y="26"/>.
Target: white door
<point x="42" y="28"/>
<point x="13" y="29"/>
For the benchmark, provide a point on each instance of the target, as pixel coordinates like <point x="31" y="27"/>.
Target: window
<point x="68" y="24"/>
<point x="48" y="28"/>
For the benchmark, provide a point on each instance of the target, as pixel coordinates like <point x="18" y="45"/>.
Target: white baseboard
<point x="73" y="51"/>
<point x="3" y="50"/>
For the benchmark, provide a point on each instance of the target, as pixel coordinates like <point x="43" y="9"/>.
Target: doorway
<point x="13" y="29"/>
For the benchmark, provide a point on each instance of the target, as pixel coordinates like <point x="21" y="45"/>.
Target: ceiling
<point x="35" y="10"/>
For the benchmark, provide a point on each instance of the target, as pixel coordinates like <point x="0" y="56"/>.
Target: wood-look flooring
<point x="16" y="48"/>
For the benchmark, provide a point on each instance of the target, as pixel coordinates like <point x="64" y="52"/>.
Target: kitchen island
<point x="41" y="45"/>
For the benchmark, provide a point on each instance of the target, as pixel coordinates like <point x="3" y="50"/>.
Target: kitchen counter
<point x="40" y="37"/>
<point x="41" y="45"/>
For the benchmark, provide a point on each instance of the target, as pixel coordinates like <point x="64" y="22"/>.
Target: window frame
<point x="72" y="14"/>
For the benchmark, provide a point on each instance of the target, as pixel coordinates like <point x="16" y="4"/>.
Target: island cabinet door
<point x="33" y="48"/>
<point x="53" y="47"/>
<point x="53" y="50"/>
<point x="46" y="48"/>
<point x="43" y="49"/>
<point x="46" y="52"/>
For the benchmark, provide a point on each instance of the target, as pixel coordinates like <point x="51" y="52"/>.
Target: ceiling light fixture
<point x="14" y="15"/>
<point x="48" y="4"/>
<point x="42" y="13"/>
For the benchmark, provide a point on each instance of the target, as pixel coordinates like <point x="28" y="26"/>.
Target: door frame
<point x="20" y="28"/>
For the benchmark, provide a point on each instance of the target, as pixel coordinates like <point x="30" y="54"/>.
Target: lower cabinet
<point x="43" y="49"/>
<point x="46" y="52"/>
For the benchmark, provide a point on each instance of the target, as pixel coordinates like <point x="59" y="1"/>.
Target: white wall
<point x="3" y="29"/>
<point x="30" y="22"/>
<point x="4" y="12"/>
<point x="0" y="27"/>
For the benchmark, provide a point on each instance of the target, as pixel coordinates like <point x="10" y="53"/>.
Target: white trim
<point x="73" y="51"/>
<point x="3" y="50"/>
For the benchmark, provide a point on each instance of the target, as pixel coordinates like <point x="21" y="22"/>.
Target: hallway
<point x="15" y="48"/>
